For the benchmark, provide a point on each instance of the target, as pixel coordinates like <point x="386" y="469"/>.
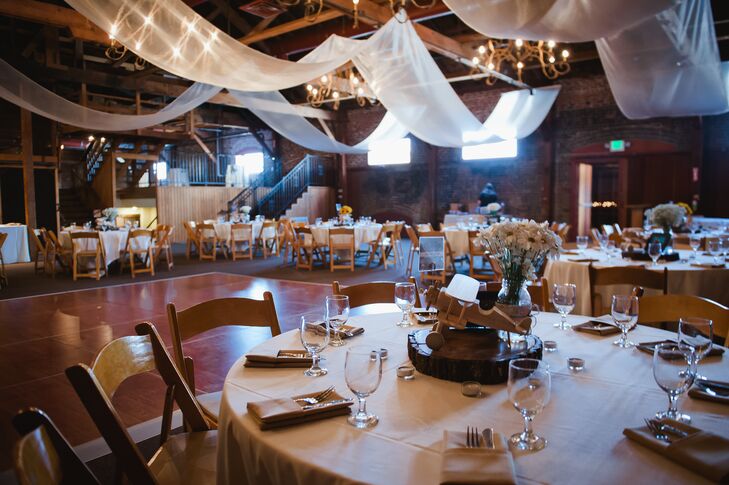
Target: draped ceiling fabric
<point x="660" y="56"/>
<point x="24" y="92"/>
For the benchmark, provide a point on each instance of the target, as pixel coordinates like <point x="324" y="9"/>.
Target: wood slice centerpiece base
<point x="471" y="354"/>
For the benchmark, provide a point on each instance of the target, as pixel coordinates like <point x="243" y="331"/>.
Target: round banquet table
<point x="583" y="421"/>
<point x="457" y="239"/>
<point x="222" y="230"/>
<point x="15" y="248"/>
<point x="114" y="242"/>
<point x="363" y="233"/>
<point x="683" y="278"/>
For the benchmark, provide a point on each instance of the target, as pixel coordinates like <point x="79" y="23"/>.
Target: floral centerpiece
<point x="246" y="211"/>
<point x="494" y="209"/>
<point x="520" y="249"/>
<point x="345" y="213"/>
<point x="666" y="216"/>
<point x="107" y="221"/>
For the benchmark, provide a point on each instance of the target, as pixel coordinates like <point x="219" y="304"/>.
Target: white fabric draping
<point x="558" y="20"/>
<point x="15" y="248"/>
<point x="26" y="93"/>
<point x="668" y="65"/>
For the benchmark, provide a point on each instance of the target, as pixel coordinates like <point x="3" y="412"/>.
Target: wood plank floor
<point x="42" y="335"/>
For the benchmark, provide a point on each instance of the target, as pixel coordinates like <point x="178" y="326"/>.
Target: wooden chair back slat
<point x="671" y="308"/>
<point x="369" y="293"/>
<point x="624" y="275"/>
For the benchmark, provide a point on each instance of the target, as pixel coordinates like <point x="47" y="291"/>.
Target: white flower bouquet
<point x="666" y="215"/>
<point x="520" y="249"/>
<point x="246" y="209"/>
<point x="494" y="208"/>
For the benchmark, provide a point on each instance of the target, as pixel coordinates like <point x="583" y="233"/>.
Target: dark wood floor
<point x="42" y="335"/>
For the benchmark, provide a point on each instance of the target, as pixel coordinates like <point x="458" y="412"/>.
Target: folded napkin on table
<point x="424" y="317"/>
<point x="708" y="265"/>
<point x="650" y="348"/>
<point x="345" y="331"/>
<point x="709" y="390"/>
<point x="583" y="260"/>
<point x="702" y="452"/>
<point x="277" y="413"/>
<point x="474" y="466"/>
<point x="570" y="253"/>
<point x="284" y="358"/>
<point x="599" y="326"/>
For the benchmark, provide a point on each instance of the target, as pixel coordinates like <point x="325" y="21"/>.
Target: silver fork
<point x="318" y="398"/>
<point x="657" y="431"/>
<point x="668" y="429"/>
<point x="473" y="438"/>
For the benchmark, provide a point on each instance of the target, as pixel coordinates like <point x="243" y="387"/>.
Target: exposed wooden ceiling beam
<point x="49" y="14"/>
<point x="292" y="26"/>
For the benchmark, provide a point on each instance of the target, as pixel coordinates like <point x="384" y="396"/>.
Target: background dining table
<point x="15" y="249"/>
<point x="114" y="242"/>
<point x="684" y="277"/>
<point x="583" y="421"/>
<point x="363" y="233"/>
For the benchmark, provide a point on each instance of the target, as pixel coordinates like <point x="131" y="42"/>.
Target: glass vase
<point x="514" y="297"/>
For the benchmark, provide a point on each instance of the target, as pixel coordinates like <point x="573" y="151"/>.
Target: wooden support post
<point x="26" y="137"/>
<point x="138" y="106"/>
<point x="432" y="184"/>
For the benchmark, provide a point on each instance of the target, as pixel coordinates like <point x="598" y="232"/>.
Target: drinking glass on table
<point x="674" y="369"/>
<point x="654" y="251"/>
<point x="582" y="243"/>
<point x="624" y="310"/>
<point x="564" y="298"/>
<point x="529" y="389"/>
<point x="337" y="314"/>
<point x="724" y="246"/>
<point x="697" y="333"/>
<point x="695" y="243"/>
<point x="314" y="337"/>
<point x="714" y="248"/>
<point x="405" y="300"/>
<point x="363" y="372"/>
<point x="610" y="249"/>
<point x="602" y="240"/>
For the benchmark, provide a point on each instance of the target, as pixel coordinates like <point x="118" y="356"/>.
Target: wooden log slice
<point x="472" y="354"/>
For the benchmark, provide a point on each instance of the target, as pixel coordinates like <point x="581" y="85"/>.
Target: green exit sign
<point x="617" y="145"/>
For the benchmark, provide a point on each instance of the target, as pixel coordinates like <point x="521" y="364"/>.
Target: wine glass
<point x="564" y="298"/>
<point x="602" y="240"/>
<point x="529" y="389"/>
<point x="695" y="243"/>
<point x="654" y="251"/>
<point x="337" y="308"/>
<point x="582" y="243"/>
<point x="724" y="246"/>
<point x="697" y="333"/>
<point x="624" y="310"/>
<point x="610" y="249"/>
<point x="405" y="300"/>
<point x="314" y="338"/>
<point x="674" y="368"/>
<point x="714" y="248"/>
<point x="363" y="372"/>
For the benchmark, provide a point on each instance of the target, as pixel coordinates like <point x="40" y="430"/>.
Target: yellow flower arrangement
<point x="686" y="207"/>
<point x="345" y="210"/>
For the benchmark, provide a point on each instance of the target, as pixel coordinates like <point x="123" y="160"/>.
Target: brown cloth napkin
<point x="345" y="331"/>
<point x="702" y="452"/>
<point x="474" y="466"/>
<point x="284" y="359"/>
<point x="596" y="327"/>
<point x="650" y="348"/>
<point x="277" y="413"/>
<point x="708" y="265"/>
<point x="720" y="395"/>
<point x="583" y="260"/>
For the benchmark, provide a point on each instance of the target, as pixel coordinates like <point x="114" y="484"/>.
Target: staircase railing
<point x="311" y="171"/>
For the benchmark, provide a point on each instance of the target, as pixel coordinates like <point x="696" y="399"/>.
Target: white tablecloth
<point x="15" y="249"/>
<point x="363" y="233"/>
<point x="114" y="243"/>
<point x="222" y="230"/>
<point x="583" y="422"/>
<point x="683" y="278"/>
<point x="458" y="240"/>
<point x="455" y="219"/>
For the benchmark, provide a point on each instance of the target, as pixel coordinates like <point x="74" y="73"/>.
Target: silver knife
<point x="488" y="437"/>
<point x="326" y="404"/>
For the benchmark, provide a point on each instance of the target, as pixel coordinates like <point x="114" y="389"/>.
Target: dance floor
<point x="43" y="335"/>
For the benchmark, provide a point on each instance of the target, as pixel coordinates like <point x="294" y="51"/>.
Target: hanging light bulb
<point x="482" y="49"/>
<point x="113" y="32"/>
<point x="314" y="91"/>
<point x="355" y="4"/>
<point x="91" y="137"/>
<point x="137" y="45"/>
<point x="206" y="46"/>
<point x="360" y="91"/>
<point x="147" y="20"/>
<point x="335" y="94"/>
<point x="520" y="65"/>
<point x="475" y="61"/>
<point x="103" y="140"/>
<point x="213" y="35"/>
<point x="565" y="54"/>
<point x="324" y="78"/>
<point x="552" y="59"/>
<point x="551" y="44"/>
<point x="191" y="26"/>
<point x="519" y="42"/>
<point x="309" y="87"/>
<point x="491" y="66"/>
<point x="355" y="80"/>
<point x="175" y="51"/>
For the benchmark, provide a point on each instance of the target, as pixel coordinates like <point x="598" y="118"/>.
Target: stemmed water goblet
<point x="624" y="310"/>
<point x="314" y="337"/>
<point x="714" y="248"/>
<point x="564" y="298"/>
<point x="363" y="372"/>
<point x="610" y="249"/>
<point x="529" y="390"/>
<point x="602" y="240"/>
<point x="654" y="251"/>
<point x="582" y="243"/>
<point x="695" y="243"/>
<point x="405" y="295"/>
<point x="674" y="369"/>
<point x="697" y="333"/>
<point x="337" y="313"/>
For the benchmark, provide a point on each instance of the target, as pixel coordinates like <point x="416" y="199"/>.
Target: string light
<point x="309" y="87"/>
<point x="147" y="20"/>
<point x="91" y="137"/>
<point x="519" y="54"/>
<point x="176" y="51"/>
<point x="191" y="26"/>
<point x="324" y="78"/>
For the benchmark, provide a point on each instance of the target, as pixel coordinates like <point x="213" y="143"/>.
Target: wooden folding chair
<point x="341" y="241"/>
<point x="414" y="248"/>
<point x="371" y="293"/>
<point x="3" y="275"/>
<point x="306" y="249"/>
<point x="181" y="458"/>
<point x="163" y="245"/>
<point x="383" y="246"/>
<point x="208" y="238"/>
<point x="208" y="315"/>
<point x="43" y="248"/>
<point x="87" y="244"/>
<point x="660" y="309"/>
<point x="476" y="249"/>
<point x="43" y="456"/>
<point x="62" y="254"/>
<point x="623" y="275"/>
<point x="241" y="237"/>
<point x="287" y="239"/>
<point x="268" y="239"/>
<point x="191" y="243"/>
<point x="139" y="250"/>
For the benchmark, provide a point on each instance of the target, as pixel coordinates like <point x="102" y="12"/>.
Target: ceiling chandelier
<point x="520" y="54"/>
<point x="339" y="86"/>
<point x="313" y="8"/>
<point x="117" y="51"/>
